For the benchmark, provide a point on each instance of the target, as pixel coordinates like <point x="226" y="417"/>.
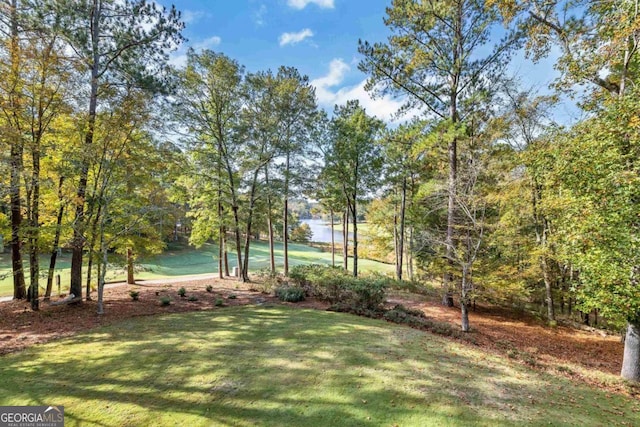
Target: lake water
<point x="322" y="231"/>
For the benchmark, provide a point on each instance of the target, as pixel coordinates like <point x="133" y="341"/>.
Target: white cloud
<point x="301" y="4"/>
<point x="328" y="96"/>
<point x="179" y="57"/>
<point x="209" y="43"/>
<point x="293" y="38"/>
<point x="259" y="15"/>
<point x="190" y="16"/>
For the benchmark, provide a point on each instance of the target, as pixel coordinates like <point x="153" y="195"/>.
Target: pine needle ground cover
<point x="280" y="366"/>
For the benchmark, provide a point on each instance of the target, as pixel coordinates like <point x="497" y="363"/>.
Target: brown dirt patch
<point x="524" y="337"/>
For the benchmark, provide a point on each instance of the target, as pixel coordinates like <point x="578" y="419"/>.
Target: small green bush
<point x="290" y="293"/>
<point x="165" y="301"/>
<point x="219" y="302"/>
<point x="232" y="296"/>
<point x="182" y="292"/>
<point x="193" y="298"/>
<point x="209" y="288"/>
<point x="267" y="280"/>
<point x="135" y="295"/>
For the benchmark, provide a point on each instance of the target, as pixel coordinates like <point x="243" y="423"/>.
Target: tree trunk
<point x="551" y="316"/>
<point x="78" y="229"/>
<point x="252" y="201"/>
<point x="19" y="287"/>
<point x="285" y="227"/>
<point x="345" y="239"/>
<point x="226" y="252"/>
<point x="272" y="258"/>
<point x="333" y="243"/>
<point x="236" y="220"/>
<point x="34" y="232"/>
<point x="403" y="209"/>
<point x="631" y="359"/>
<point x="355" y="237"/>
<point x="410" y="255"/>
<point x="447" y="298"/>
<point x="395" y="241"/>
<point x="464" y="300"/>
<point x="220" y="237"/>
<point x="130" y="278"/>
<point x="56" y="242"/>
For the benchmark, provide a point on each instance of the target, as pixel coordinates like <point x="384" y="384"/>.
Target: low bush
<point x="267" y="280"/>
<point x="135" y="295"/>
<point x="193" y="298"/>
<point x="165" y="301"/>
<point x="209" y="288"/>
<point x="219" y="302"/>
<point x="290" y="293"/>
<point x="182" y="292"/>
<point x="335" y="285"/>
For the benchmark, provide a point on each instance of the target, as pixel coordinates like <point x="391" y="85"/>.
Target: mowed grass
<point x="186" y="260"/>
<point x="279" y="366"/>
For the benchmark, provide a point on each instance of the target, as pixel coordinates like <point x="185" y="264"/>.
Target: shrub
<point x="193" y="298"/>
<point x="182" y="292"/>
<point x="290" y="293"/>
<point x="232" y="296"/>
<point x="209" y="288"/>
<point x="165" y="301"/>
<point x="135" y="295"/>
<point x="267" y="280"/>
<point x="219" y="302"/>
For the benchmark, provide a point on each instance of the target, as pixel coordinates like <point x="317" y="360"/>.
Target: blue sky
<point x="319" y="37"/>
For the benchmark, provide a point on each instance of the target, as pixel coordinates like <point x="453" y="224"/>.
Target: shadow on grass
<point x="283" y="367"/>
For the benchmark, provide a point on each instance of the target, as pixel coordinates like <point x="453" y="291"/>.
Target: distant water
<point x="322" y="231"/>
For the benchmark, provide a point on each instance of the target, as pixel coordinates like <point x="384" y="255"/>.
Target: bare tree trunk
<point x="272" y="258"/>
<point x="355" y="237"/>
<point x="56" y="242"/>
<point x="34" y="232"/>
<point x="19" y="287"/>
<point x="544" y="265"/>
<point x="345" y="239"/>
<point x="464" y="301"/>
<point x="220" y="237"/>
<point x="410" y="255"/>
<point x="226" y="252"/>
<point x="395" y="241"/>
<point x="333" y="241"/>
<point x="631" y="359"/>
<point x="403" y="209"/>
<point x="78" y="229"/>
<point x="252" y="201"/>
<point x="285" y="226"/>
<point x="130" y="278"/>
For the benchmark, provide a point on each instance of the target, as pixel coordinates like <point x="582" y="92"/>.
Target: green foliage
<point x="165" y="301"/>
<point x="302" y="233"/>
<point x="182" y="292"/>
<point x="135" y="295"/>
<point x="219" y="302"/>
<point x="232" y="296"/>
<point x="290" y="293"/>
<point x="209" y="288"/>
<point x="334" y="285"/>
<point x="192" y="298"/>
<point x="267" y="280"/>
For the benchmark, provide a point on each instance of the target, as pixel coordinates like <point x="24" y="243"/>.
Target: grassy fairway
<point x="188" y="260"/>
<point x="276" y="366"/>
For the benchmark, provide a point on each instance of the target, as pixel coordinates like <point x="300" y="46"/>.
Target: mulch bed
<point x="496" y="330"/>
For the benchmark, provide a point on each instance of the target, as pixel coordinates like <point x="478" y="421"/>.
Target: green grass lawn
<point x="183" y="260"/>
<point x="279" y="366"/>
